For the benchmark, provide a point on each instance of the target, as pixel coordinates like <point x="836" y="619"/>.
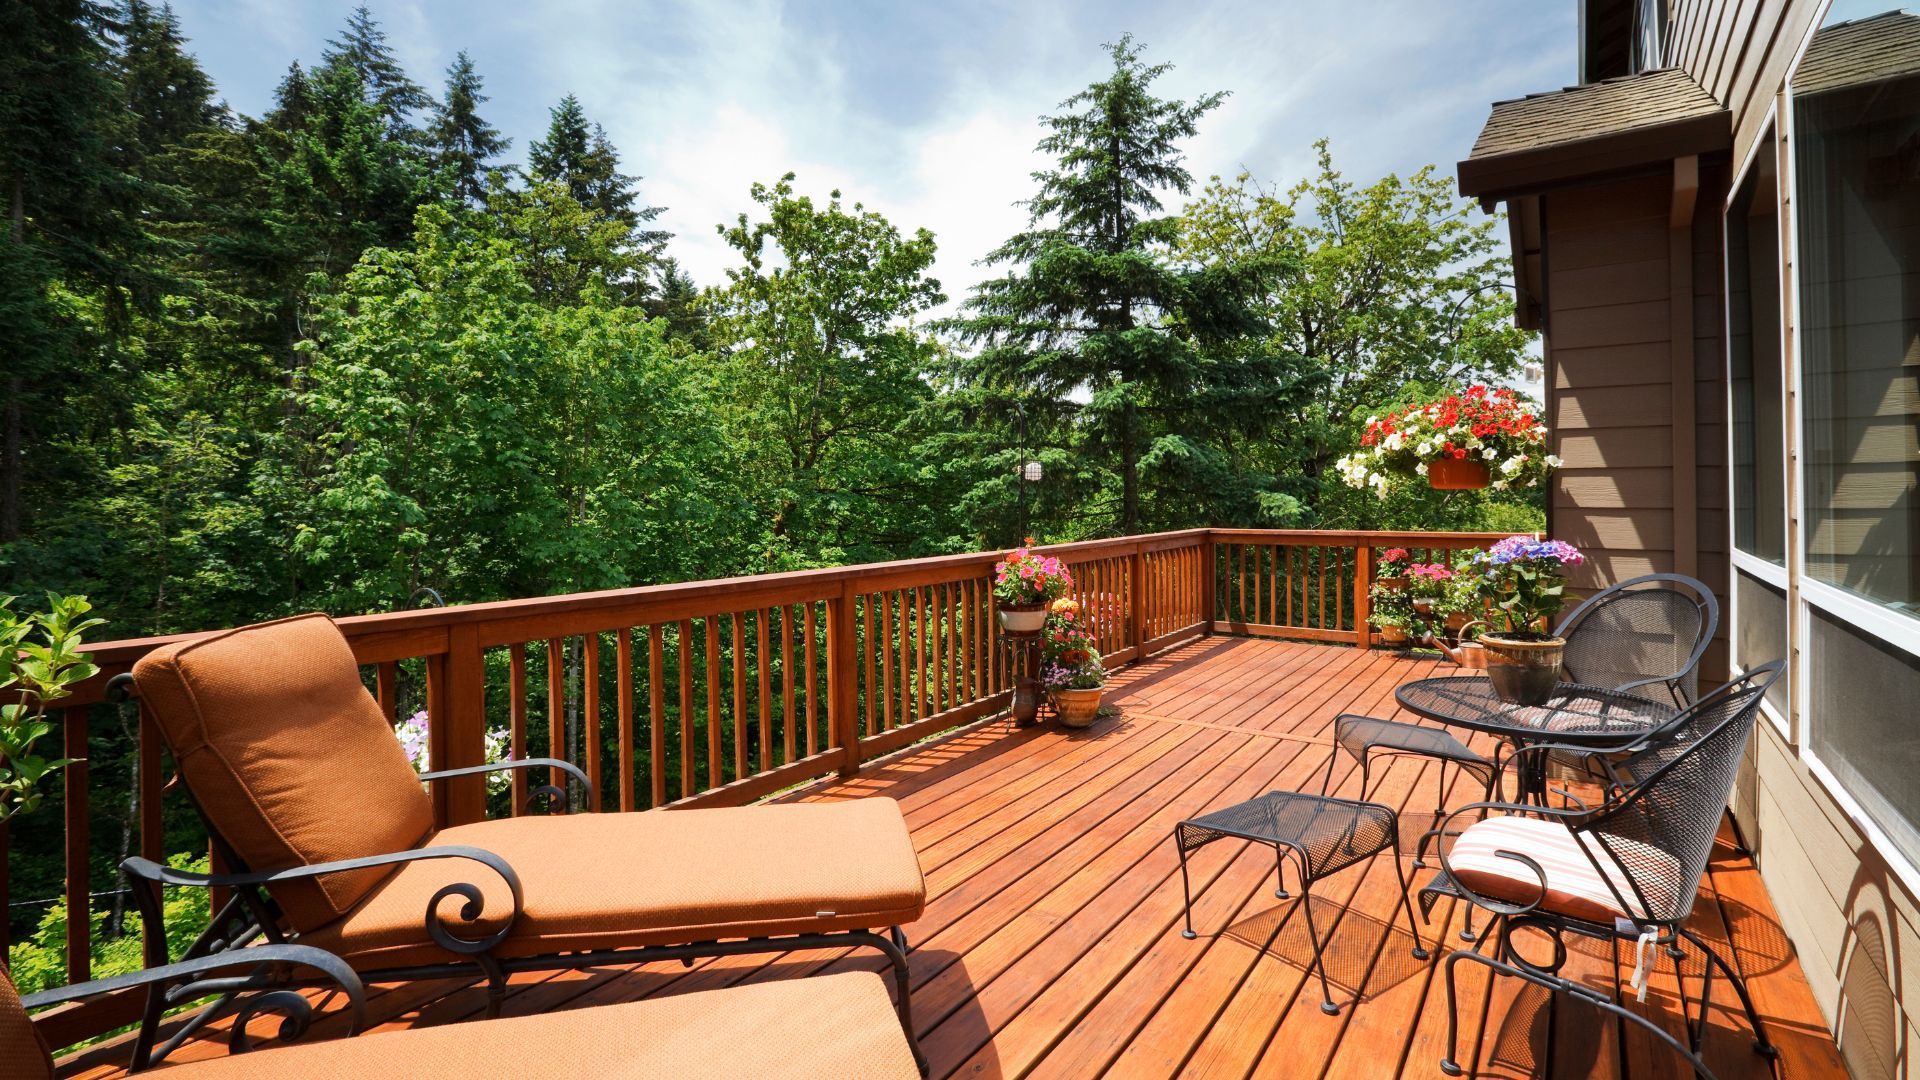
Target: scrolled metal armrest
<point x="475" y="906"/>
<point x="1498" y="907"/>
<point x="188" y="972"/>
<point x="567" y="767"/>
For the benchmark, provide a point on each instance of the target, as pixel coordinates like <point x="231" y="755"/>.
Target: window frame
<point x="1775" y="574"/>
<point x="1808" y="595"/>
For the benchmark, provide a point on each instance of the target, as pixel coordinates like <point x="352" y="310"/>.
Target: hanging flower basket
<point x="1022" y="620"/>
<point x="1481" y="437"/>
<point x="1452" y="474"/>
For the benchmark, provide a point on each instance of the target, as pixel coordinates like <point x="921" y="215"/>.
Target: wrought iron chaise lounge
<point x="1628" y="869"/>
<point x="330" y="841"/>
<point x="828" y="1028"/>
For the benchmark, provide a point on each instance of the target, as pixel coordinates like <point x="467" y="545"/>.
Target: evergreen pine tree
<point x="580" y="156"/>
<point x="362" y="49"/>
<point x="462" y="141"/>
<point x="165" y="89"/>
<point x="1093" y="337"/>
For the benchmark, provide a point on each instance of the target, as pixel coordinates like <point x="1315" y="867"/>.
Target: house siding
<point x="1739" y="51"/>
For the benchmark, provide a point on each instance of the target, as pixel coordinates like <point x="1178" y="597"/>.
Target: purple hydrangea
<point x="1525" y="548"/>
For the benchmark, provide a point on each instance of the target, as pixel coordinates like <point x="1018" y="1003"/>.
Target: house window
<point x="1753" y="347"/>
<point x="1855" y="137"/>
<point x="1857" y="175"/>
<point x="1760" y="631"/>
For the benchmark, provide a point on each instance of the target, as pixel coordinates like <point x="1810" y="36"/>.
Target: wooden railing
<point x="727" y="691"/>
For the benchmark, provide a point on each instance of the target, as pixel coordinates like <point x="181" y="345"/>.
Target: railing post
<point x="1362" y="594"/>
<point x="1209" y="582"/>
<point x="842" y="690"/>
<point x="457" y="725"/>
<point x="1137" y="601"/>
<point x="79" y="871"/>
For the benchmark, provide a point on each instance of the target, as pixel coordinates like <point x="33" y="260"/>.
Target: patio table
<point x="1576" y="714"/>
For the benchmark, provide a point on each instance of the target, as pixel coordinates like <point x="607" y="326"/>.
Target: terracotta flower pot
<point x="1393" y="635"/>
<point x="1524" y="672"/>
<point x="1396" y="584"/>
<point x="1456" y="622"/>
<point x="1078" y="708"/>
<point x="1022" y="620"/>
<point x="1457" y="474"/>
<point x="1423" y="607"/>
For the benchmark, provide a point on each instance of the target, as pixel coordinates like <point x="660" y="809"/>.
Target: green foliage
<point x="822" y="379"/>
<point x="463" y="143"/>
<point x="40" y="661"/>
<point x="1095" y="341"/>
<point x="40" y="962"/>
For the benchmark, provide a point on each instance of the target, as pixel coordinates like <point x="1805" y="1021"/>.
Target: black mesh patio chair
<point x="1627" y="869"/>
<point x="1644" y="635"/>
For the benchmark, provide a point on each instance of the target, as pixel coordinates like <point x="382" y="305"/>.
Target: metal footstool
<point x="1324" y="835"/>
<point x="1362" y="736"/>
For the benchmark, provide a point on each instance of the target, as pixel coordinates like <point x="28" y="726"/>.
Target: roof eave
<point x="1502" y="176"/>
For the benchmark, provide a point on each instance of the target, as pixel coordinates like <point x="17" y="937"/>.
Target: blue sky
<point x="928" y="111"/>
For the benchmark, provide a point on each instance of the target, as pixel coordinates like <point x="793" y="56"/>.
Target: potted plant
<point x="1430" y="585"/>
<point x="1524" y="581"/>
<point x="1071" y="668"/>
<point x="1392" y="613"/>
<point x="1480" y="437"/>
<point x="1024" y="583"/>
<point x="1392" y="573"/>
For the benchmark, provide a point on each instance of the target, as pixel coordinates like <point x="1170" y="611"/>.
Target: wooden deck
<point x="1051" y="944"/>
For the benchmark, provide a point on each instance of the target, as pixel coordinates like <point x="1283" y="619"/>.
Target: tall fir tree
<point x="579" y="154"/>
<point x="462" y="142"/>
<point x="362" y="48"/>
<point x="1093" y="338"/>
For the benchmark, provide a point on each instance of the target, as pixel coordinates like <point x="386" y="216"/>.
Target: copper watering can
<point x="1468" y="654"/>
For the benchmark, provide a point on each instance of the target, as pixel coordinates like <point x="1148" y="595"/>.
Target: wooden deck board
<point x="1051" y="948"/>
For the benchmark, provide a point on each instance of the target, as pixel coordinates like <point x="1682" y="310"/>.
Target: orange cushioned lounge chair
<point x="331" y="839"/>
<point x="830" y="1028"/>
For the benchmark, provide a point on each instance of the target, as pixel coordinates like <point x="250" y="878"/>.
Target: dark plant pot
<point x="1457" y="474"/>
<point x="1424" y="607"/>
<point x="1022" y="620"/>
<point x="1456" y="622"/>
<point x="1523" y="672"/>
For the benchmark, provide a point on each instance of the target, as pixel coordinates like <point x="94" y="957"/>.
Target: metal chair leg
<point x="1406" y="899"/>
<point x="1761" y="1044"/>
<point x="1186" y="890"/>
<point x="1319" y="962"/>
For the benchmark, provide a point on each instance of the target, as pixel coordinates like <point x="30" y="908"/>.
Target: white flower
<point x="1394" y="441"/>
<point x="1499" y="485"/>
<point x="1421" y="469"/>
<point x="1425" y="449"/>
<point x="1512" y="465"/>
<point x="1553" y="461"/>
<point x="1487" y="453"/>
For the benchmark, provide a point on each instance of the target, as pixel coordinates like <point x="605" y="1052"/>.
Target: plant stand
<point x="1023" y="661"/>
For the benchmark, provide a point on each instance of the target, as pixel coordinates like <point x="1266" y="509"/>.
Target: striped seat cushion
<point x="1574" y="886"/>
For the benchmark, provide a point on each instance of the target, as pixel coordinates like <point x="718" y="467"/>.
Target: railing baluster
<point x="590" y="716"/>
<point x="716" y="767"/>
<point x="886" y="660"/>
<point x="787" y="680"/>
<point x="866" y="656"/>
<point x="623" y="688"/>
<point x="813" y="680"/>
<point x="739" y="696"/>
<point x="517" y="721"/>
<point x="386" y="681"/>
<point x="79" y="846"/>
<point x="685" y="642"/>
<point x="556" y="701"/>
<point x="763" y="665"/>
<point x="657" y="714"/>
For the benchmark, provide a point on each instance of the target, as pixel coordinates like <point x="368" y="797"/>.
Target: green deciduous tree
<point x="1370" y="296"/>
<point x="824" y="375"/>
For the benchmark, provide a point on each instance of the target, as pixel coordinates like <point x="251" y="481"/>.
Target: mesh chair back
<point x="1648" y="634"/>
<point x="1661" y="831"/>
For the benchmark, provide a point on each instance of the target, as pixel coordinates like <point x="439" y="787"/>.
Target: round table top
<point x="1577" y="714"/>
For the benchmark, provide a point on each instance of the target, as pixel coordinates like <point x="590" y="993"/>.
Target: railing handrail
<point x="725" y="593"/>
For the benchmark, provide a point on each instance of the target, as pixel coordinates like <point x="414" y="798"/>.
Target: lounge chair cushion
<point x="659" y="877"/>
<point x="23" y="1054"/>
<point x="287" y="754"/>
<point x="824" y="1028"/>
<point x="1574" y="887"/>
